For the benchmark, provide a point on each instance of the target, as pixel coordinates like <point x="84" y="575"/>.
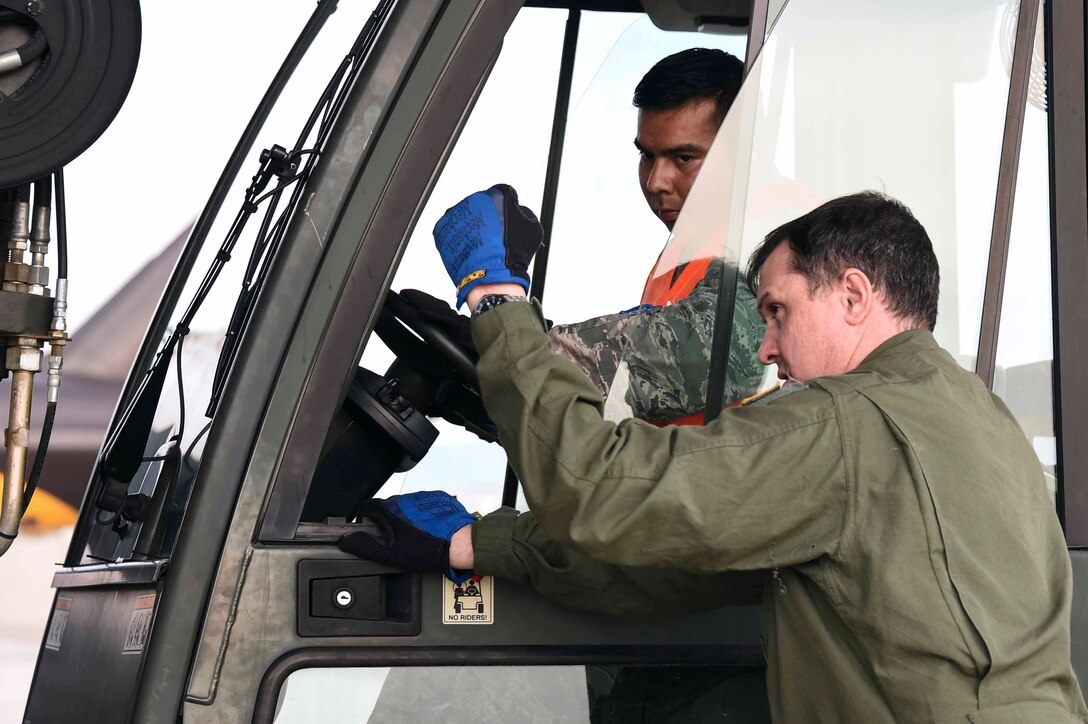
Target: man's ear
<point x="858" y="296"/>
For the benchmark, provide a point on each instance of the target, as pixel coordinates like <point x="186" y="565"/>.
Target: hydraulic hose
<point x="39" y="457"/>
<point x="62" y="226"/>
<point x="16" y="58"/>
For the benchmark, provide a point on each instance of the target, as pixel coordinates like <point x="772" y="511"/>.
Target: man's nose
<point x="768" y="350"/>
<point x="660" y="178"/>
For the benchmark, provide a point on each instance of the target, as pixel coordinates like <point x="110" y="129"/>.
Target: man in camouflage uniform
<point x="657" y="356"/>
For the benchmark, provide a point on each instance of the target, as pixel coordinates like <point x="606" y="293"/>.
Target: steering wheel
<point x="432" y="341"/>
<point x="436" y="372"/>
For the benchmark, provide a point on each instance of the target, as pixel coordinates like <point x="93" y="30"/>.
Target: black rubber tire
<point x="94" y="46"/>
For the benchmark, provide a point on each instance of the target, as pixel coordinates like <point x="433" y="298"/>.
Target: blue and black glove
<point x="488" y="239"/>
<point x="416" y="531"/>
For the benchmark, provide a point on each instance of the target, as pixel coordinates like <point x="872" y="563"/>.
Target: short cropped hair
<point x="867" y="231"/>
<point x="688" y="76"/>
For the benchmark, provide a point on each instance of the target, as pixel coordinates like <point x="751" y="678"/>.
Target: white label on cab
<point x="58" y="623"/>
<point x="139" y="626"/>
<point x="469" y="602"/>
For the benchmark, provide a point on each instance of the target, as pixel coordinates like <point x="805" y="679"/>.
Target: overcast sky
<point x="203" y="68"/>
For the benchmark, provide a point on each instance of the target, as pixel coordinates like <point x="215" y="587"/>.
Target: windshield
<point x="906" y="99"/>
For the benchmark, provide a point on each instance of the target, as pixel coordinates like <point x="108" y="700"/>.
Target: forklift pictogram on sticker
<point x="468" y="602"/>
<point x="467" y="597"/>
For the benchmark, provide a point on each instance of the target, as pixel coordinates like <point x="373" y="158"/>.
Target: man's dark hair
<point x="691" y="75"/>
<point x="867" y="231"/>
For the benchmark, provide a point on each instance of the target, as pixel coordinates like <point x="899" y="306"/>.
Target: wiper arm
<point x="123" y="452"/>
<point x="270" y="236"/>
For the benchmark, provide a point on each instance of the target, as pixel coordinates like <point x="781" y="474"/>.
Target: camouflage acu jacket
<point x="658" y="359"/>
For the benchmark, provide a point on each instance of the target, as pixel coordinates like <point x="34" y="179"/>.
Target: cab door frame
<point x="1064" y="29"/>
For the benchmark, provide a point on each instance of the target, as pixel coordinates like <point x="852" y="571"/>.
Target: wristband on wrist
<point x="491" y="301"/>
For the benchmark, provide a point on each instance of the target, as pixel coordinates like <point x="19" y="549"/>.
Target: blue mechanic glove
<point x="488" y="239"/>
<point x="416" y="532"/>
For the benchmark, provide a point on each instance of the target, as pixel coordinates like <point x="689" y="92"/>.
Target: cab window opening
<point x="597" y="199"/>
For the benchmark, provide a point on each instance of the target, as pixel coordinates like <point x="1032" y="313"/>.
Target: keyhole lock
<point x="343" y="598"/>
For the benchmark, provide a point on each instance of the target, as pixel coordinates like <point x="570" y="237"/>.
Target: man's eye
<point x="685" y="160"/>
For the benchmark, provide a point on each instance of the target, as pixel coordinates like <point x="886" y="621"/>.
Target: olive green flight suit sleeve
<point x="761" y="487"/>
<point x="515" y="547"/>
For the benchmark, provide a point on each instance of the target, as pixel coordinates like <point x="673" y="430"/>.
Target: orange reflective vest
<point x="671" y="287"/>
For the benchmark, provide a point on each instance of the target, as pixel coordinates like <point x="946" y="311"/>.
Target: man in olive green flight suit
<point x="916" y="571"/>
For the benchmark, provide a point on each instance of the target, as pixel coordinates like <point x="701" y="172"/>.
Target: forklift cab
<point x="203" y="582"/>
